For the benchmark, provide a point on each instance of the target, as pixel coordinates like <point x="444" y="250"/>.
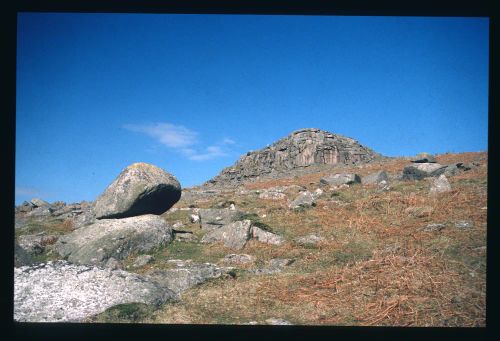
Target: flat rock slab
<point x="418" y="171"/>
<point x="340" y="179"/>
<point x="234" y="235"/>
<point x="266" y="236"/>
<point x="187" y="275"/>
<point x="211" y="218"/>
<point x="140" y="188"/>
<point x="63" y="292"/>
<point x="375" y="178"/>
<point x="117" y="238"/>
<point x="304" y="199"/>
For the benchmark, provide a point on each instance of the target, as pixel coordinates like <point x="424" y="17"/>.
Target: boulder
<point x="375" y="178"/>
<point x="25" y="207"/>
<point x="234" y="235"/>
<point x="464" y="224"/>
<point x="140" y="189"/>
<point x="340" y="179"/>
<point x="186" y="237"/>
<point x="419" y="171"/>
<point x="423" y="158"/>
<point x="237" y="259"/>
<point x="265" y="236"/>
<point x="63" y="292"/>
<point x="273" y="266"/>
<point x="39" y="202"/>
<point x="211" y="218"/>
<point x="457" y="168"/>
<point x="186" y="275"/>
<point x="440" y="185"/>
<point x="304" y="199"/>
<point x="310" y="239"/>
<point x="96" y="243"/>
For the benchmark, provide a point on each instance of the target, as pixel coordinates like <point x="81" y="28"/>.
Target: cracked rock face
<point x="117" y="238"/>
<point x="300" y="149"/>
<point x="140" y="189"/>
<point x="234" y="235"/>
<point x="62" y="292"/>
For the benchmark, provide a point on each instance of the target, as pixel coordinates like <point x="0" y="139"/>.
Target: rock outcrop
<point x="211" y="218"/>
<point x="117" y="238"/>
<point x="234" y="235"/>
<point x="140" y="188"/>
<point x="63" y="292"/>
<point x="300" y="149"/>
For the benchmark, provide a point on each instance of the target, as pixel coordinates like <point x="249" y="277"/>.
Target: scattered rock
<point x="419" y="211"/>
<point x="35" y="244"/>
<point x="265" y="236"/>
<point x="234" y="235"/>
<point x="186" y="237"/>
<point x="375" y="178"/>
<point x="43" y="211"/>
<point x="278" y="322"/>
<point x="59" y="291"/>
<point x="96" y="243"/>
<point x="272" y="195"/>
<point x="423" y="158"/>
<point x="142" y="260"/>
<point x="440" y="185"/>
<point x="310" y="239"/>
<point x="25" y="207"/>
<point x="433" y="227"/>
<point x="464" y="224"/>
<point x="273" y="266"/>
<point x="304" y="199"/>
<point x="340" y="179"/>
<point x="187" y="275"/>
<point x="211" y="218"/>
<point x="420" y="171"/>
<point x="236" y="259"/>
<point x="39" y="202"/>
<point x="140" y="189"/>
<point x="232" y="207"/>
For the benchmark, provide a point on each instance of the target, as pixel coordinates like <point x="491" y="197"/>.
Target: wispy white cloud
<point x="182" y="140"/>
<point x="170" y="135"/>
<point x="210" y="152"/>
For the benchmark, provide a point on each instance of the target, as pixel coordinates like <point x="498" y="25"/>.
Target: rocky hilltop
<point x="300" y="149"/>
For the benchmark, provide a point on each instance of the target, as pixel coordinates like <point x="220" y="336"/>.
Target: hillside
<point x="377" y="249"/>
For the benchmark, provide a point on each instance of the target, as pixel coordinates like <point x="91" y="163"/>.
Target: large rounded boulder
<point x="140" y="189"/>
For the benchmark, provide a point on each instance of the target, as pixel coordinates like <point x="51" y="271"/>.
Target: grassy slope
<point x="375" y="268"/>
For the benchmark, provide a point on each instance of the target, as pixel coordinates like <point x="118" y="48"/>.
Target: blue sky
<point x="192" y="93"/>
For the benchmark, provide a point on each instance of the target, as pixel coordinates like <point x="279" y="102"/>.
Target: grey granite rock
<point x="140" y="189"/>
<point x="340" y="179"/>
<point x="234" y="235"/>
<point x="63" y="292"/>
<point x="96" y="243"/>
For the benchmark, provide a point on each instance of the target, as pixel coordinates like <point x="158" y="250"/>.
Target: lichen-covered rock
<point x="96" y="243"/>
<point x="140" y="189"/>
<point x="340" y="179"/>
<point x="35" y="244"/>
<point x="63" y="292"/>
<point x="39" y="202"/>
<point x="418" y="171"/>
<point x="186" y="275"/>
<point x="310" y="239"/>
<point x="211" y="218"/>
<point x="304" y="199"/>
<point x="440" y="185"/>
<point x="375" y="178"/>
<point x="265" y="236"/>
<point x="234" y="235"/>
<point x="21" y="257"/>
<point x="300" y="149"/>
<point x="237" y="259"/>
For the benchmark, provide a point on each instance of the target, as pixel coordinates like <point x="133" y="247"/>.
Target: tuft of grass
<point x="123" y="313"/>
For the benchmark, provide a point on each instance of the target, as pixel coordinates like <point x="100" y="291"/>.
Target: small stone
<point x="232" y="207"/>
<point x="309" y="240"/>
<point x="238" y="259"/>
<point x="194" y="218"/>
<point x="278" y="322"/>
<point x="265" y="236"/>
<point x="464" y="224"/>
<point x="178" y="225"/>
<point x="341" y="179"/>
<point x="433" y="227"/>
